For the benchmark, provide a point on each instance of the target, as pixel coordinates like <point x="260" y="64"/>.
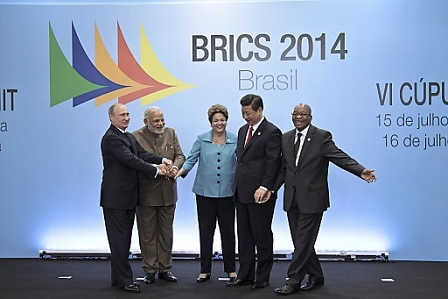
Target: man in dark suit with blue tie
<point x="123" y="159"/>
<point x="306" y="153"/>
<point x="258" y="163"/>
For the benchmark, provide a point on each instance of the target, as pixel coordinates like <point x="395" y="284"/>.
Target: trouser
<point x="155" y="231"/>
<point x="210" y="210"/>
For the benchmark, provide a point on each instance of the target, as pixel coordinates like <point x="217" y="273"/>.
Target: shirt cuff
<point x="157" y="171"/>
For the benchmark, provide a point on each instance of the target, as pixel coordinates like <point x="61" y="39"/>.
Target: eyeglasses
<point x="300" y="114"/>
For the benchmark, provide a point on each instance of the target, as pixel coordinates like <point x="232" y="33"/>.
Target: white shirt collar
<point x="257" y="124"/>
<point x="122" y="131"/>
<point x="304" y="131"/>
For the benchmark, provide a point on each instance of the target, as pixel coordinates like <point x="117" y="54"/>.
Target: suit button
<point x="218" y="182"/>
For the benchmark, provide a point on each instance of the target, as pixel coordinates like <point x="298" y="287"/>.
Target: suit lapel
<point x="128" y="139"/>
<point x="257" y="134"/>
<point x="306" y="143"/>
<point x="242" y="139"/>
<point x="289" y="149"/>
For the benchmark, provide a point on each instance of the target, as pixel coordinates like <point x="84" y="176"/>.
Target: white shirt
<point x="255" y="127"/>
<point x="302" y="140"/>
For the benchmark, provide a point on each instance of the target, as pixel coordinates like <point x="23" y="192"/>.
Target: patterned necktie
<point x="249" y="136"/>
<point x="297" y="144"/>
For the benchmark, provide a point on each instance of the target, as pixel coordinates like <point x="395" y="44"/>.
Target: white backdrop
<point x="384" y="99"/>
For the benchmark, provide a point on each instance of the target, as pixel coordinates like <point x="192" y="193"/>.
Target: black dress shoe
<point x="260" y="285"/>
<point x="149" y="278"/>
<point x="204" y="279"/>
<point x="168" y="276"/>
<point x="311" y="284"/>
<point x="287" y="289"/>
<point x="238" y="282"/>
<point x="131" y="288"/>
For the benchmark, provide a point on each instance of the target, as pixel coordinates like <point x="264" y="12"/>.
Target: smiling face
<point x="301" y="116"/>
<point x="120" y="117"/>
<point x="218" y="123"/>
<point x="155" y="122"/>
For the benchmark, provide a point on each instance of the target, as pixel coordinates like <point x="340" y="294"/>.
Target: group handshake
<point x="167" y="169"/>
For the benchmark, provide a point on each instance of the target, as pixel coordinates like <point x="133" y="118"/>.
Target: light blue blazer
<point x="215" y="176"/>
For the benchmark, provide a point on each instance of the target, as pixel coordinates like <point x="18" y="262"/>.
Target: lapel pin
<point x="259" y="133"/>
<point x="309" y="139"/>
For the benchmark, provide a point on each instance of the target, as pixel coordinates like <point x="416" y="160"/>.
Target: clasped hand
<point x="261" y="195"/>
<point x="167" y="168"/>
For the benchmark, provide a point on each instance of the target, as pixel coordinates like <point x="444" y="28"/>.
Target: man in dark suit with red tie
<point x="306" y="153"/>
<point x="258" y="162"/>
<point x="123" y="159"/>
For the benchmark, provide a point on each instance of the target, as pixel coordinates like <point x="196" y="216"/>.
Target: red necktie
<point x="249" y="136"/>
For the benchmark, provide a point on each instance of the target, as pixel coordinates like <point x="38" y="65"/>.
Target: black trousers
<point x="209" y="211"/>
<point x="119" y="224"/>
<point x="255" y="240"/>
<point x="304" y="230"/>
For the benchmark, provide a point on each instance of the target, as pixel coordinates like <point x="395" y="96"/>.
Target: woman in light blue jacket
<point x="214" y="186"/>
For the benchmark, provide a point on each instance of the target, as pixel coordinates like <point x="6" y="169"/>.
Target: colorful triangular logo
<point x="104" y="80"/>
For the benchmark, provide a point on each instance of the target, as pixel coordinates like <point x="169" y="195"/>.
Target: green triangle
<point x="65" y="81"/>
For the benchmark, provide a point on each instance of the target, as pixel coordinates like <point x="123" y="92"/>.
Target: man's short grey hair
<point x="151" y="110"/>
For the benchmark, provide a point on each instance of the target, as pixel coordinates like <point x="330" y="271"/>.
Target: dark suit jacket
<point x="258" y="163"/>
<point x="123" y="158"/>
<point x="307" y="183"/>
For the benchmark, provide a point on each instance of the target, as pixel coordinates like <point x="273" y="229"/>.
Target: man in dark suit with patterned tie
<point x="258" y="162"/>
<point x="306" y="153"/>
<point x="123" y="159"/>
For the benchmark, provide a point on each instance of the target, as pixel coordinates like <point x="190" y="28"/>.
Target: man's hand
<point x="168" y="163"/>
<point x="368" y="175"/>
<point x="161" y="169"/>
<point x="261" y="195"/>
<point x="173" y="172"/>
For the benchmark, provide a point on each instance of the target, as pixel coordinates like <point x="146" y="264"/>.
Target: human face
<point x="219" y="123"/>
<point x="155" y="123"/>
<point x="250" y="116"/>
<point x="120" y="117"/>
<point x="301" y="117"/>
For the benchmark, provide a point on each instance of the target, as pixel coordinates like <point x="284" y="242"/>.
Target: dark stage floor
<point x="36" y="278"/>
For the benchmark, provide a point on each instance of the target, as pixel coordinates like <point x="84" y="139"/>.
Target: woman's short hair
<point x="217" y="108"/>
